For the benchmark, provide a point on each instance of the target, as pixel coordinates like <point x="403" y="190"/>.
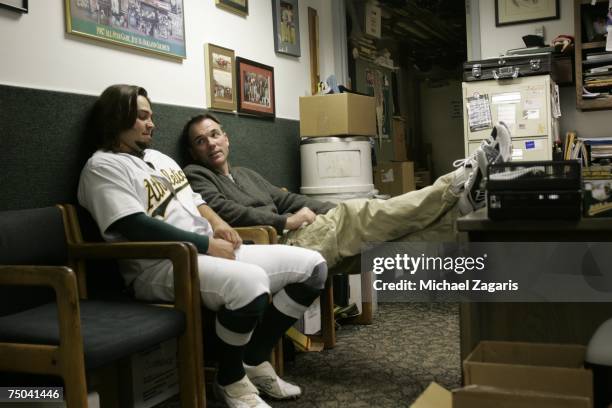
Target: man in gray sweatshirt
<point x="242" y="197"/>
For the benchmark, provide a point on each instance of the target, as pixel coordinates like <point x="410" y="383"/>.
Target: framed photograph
<point x="15" y="5"/>
<point x="155" y="26"/>
<point x="525" y="11"/>
<point x="240" y="7"/>
<point x="220" y="78"/>
<point x="255" y="88"/>
<point x="286" y="17"/>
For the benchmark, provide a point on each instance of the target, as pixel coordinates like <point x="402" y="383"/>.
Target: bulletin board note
<point x="479" y="112"/>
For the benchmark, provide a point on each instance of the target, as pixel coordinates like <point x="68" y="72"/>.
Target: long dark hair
<point x="115" y="110"/>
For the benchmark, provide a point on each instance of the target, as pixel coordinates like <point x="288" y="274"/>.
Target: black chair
<point x="69" y="336"/>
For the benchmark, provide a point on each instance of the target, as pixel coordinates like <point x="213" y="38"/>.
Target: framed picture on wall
<point x="157" y="27"/>
<point x="286" y="17"/>
<point x="255" y="88"/>
<point x="525" y="11"/>
<point x="220" y="78"/>
<point x="15" y="5"/>
<point x="240" y="7"/>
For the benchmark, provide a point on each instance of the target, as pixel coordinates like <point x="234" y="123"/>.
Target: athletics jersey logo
<point x="160" y="191"/>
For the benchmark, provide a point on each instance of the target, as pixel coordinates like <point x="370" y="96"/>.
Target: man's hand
<point x="227" y="233"/>
<point x="303" y="216"/>
<point x="221" y="229"/>
<point x="221" y="248"/>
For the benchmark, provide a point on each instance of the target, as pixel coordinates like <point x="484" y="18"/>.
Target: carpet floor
<point x="386" y="364"/>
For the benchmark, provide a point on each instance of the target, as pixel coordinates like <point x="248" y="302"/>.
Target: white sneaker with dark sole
<point x="241" y="394"/>
<point x="497" y="148"/>
<point x="268" y="382"/>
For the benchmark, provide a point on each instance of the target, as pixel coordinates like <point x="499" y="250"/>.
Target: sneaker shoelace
<point x="485" y="145"/>
<point x="492" y="154"/>
<point x="466" y="160"/>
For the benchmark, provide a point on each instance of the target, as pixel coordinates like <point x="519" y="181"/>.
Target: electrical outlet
<point x="539" y="31"/>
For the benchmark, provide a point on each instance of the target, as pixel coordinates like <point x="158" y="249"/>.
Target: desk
<point x="533" y="322"/>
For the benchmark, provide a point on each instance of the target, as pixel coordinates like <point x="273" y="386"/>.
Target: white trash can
<point x="336" y="167"/>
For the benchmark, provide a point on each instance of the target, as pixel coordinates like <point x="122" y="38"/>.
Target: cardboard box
<point x="394" y="178"/>
<point x="337" y="114"/>
<point x="422" y="178"/>
<point x="478" y="396"/>
<point x="398" y="137"/>
<point x="310" y="322"/>
<point x="518" y="375"/>
<point x="303" y="342"/>
<point x="548" y="368"/>
<point x="151" y="376"/>
<point x="434" y="396"/>
<point x="361" y="291"/>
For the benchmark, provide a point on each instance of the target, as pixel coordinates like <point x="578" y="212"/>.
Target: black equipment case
<point x="508" y="67"/>
<point x="534" y="190"/>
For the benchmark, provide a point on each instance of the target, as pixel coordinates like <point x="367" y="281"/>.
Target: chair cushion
<point x="111" y="330"/>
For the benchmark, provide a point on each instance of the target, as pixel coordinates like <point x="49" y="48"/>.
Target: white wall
<point x="37" y="52"/>
<point x="496" y="40"/>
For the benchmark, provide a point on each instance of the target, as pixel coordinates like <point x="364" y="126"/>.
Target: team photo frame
<point x="240" y="7"/>
<point x="157" y="27"/>
<point x="220" y="78"/>
<point x="255" y="84"/>
<point x="286" y="16"/>
<point x="508" y="12"/>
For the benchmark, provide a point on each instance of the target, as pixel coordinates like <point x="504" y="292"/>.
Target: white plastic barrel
<point x="336" y="166"/>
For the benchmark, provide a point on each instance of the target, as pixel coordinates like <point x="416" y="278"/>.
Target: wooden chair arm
<point x="183" y="256"/>
<point x="130" y="250"/>
<point x="63" y="280"/>
<point x="260" y="234"/>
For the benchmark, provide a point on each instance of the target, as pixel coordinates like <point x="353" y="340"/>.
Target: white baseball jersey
<point x="115" y="185"/>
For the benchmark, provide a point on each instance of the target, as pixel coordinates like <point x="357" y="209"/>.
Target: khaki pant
<point x="422" y="215"/>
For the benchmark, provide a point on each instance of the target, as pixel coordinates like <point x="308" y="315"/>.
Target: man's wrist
<point x="219" y="224"/>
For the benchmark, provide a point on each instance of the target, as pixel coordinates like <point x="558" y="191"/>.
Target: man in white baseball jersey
<point x="139" y="194"/>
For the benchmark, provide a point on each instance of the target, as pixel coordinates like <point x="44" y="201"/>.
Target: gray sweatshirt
<point x="250" y="199"/>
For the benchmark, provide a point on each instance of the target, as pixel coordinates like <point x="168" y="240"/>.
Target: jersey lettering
<point x="156" y="191"/>
<point x="159" y="195"/>
<point x="176" y="177"/>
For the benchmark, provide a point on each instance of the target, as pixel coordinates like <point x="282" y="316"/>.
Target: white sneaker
<point x="497" y="148"/>
<point x="501" y="140"/>
<point x="473" y="196"/>
<point x="267" y="381"/>
<point x="241" y="394"/>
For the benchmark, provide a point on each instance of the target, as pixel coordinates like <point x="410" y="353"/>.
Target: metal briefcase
<point x="507" y="67"/>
